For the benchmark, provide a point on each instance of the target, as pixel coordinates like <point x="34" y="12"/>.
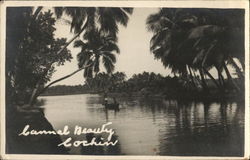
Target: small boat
<point x="112" y="106"/>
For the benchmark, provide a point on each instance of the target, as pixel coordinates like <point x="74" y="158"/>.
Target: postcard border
<point x="148" y="4"/>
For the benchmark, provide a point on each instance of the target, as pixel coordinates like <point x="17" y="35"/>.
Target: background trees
<point x="104" y="82"/>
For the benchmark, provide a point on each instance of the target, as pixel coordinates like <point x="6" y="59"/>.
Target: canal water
<point x="152" y="126"/>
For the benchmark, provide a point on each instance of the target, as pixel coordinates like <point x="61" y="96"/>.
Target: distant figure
<point x="105" y="98"/>
<point x="115" y="102"/>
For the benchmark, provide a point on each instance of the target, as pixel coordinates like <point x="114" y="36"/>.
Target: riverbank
<point x="184" y="96"/>
<point x="16" y="119"/>
<point x="199" y="96"/>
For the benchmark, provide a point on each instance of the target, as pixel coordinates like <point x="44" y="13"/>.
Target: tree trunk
<point x="212" y="78"/>
<point x="230" y="77"/>
<point x="192" y="77"/>
<point x="207" y="53"/>
<point x="220" y="77"/>
<point x="204" y="84"/>
<point x="36" y="93"/>
<point x="238" y="70"/>
<point x="46" y="87"/>
<point x="72" y="39"/>
<point x="35" y="90"/>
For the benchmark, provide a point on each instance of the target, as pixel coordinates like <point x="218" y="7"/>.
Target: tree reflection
<point x="201" y="130"/>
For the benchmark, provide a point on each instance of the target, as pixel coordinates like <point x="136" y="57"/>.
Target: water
<point x="153" y="126"/>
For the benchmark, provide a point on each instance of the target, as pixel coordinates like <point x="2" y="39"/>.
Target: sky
<point x="133" y="41"/>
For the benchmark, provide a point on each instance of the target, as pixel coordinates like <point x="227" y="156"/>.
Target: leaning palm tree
<point x="169" y="32"/>
<point x="87" y="19"/>
<point x="197" y="38"/>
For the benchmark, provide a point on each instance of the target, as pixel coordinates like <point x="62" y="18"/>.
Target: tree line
<point x="143" y="84"/>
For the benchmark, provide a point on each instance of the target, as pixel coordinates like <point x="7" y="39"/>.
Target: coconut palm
<point x="106" y="19"/>
<point x="88" y="19"/>
<point x="197" y="39"/>
<point x="98" y="47"/>
<point x="167" y="37"/>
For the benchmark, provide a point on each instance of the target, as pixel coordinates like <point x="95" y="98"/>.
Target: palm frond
<point x="110" y="56"/>
<point x="88" y="72"/>
<point x="108" y="64"/>
<point x="83" y="58"/>
<point x="128" y="10"/>
<point x="58" y="12"/>
<point x="204" y="31"/>
<point x="80" y="43"/>
<point x="120" y="16"/>
<point x="153" y="22"/>
<point x="160" y="38"/>
<point x="111" y="47"/>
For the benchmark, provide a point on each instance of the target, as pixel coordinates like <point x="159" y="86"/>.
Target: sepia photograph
<point x="124" y="80"/>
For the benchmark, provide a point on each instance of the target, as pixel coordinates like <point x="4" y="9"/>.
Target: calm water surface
<point x="151" y="126"/>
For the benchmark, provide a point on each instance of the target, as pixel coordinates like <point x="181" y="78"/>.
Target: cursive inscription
<point x="78" y="130"/>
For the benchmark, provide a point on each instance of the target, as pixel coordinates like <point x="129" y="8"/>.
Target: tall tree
<point x="106" y="19"/>
<point x="88" y="20"/>
<point x="31" y="52"/>
<point x="98" y="47"/>
<point x="198" y="38"/>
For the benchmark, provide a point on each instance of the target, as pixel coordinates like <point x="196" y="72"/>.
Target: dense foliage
<point x="31" y="53"/>
<point x="190" y="40"/>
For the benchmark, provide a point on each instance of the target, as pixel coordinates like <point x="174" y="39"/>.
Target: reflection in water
<point x="106" y="111"/>
<point x="153" y="126"/>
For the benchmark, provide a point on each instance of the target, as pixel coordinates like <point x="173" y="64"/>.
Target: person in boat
<point x="105" y="98"/>
<point x="115" y="102"/>
<point x="113" y="106"/>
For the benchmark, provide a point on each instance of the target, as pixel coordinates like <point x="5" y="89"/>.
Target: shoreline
<point x="16" y="119"/>
<point x="199" y="96"/>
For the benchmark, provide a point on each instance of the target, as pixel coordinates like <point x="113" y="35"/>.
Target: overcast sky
<point x="133" y="42"/>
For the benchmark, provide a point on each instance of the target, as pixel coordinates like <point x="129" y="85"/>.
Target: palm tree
<point x="166" y="38"/>
<point x="199" y="39"/>
<point x="98" y="47"/>
<point x="89" y="19"/>
<point x="215" y="48"/>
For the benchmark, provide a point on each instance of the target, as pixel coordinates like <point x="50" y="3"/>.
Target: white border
<point x="178" y="4"/>
<point x="150" y="4"/>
